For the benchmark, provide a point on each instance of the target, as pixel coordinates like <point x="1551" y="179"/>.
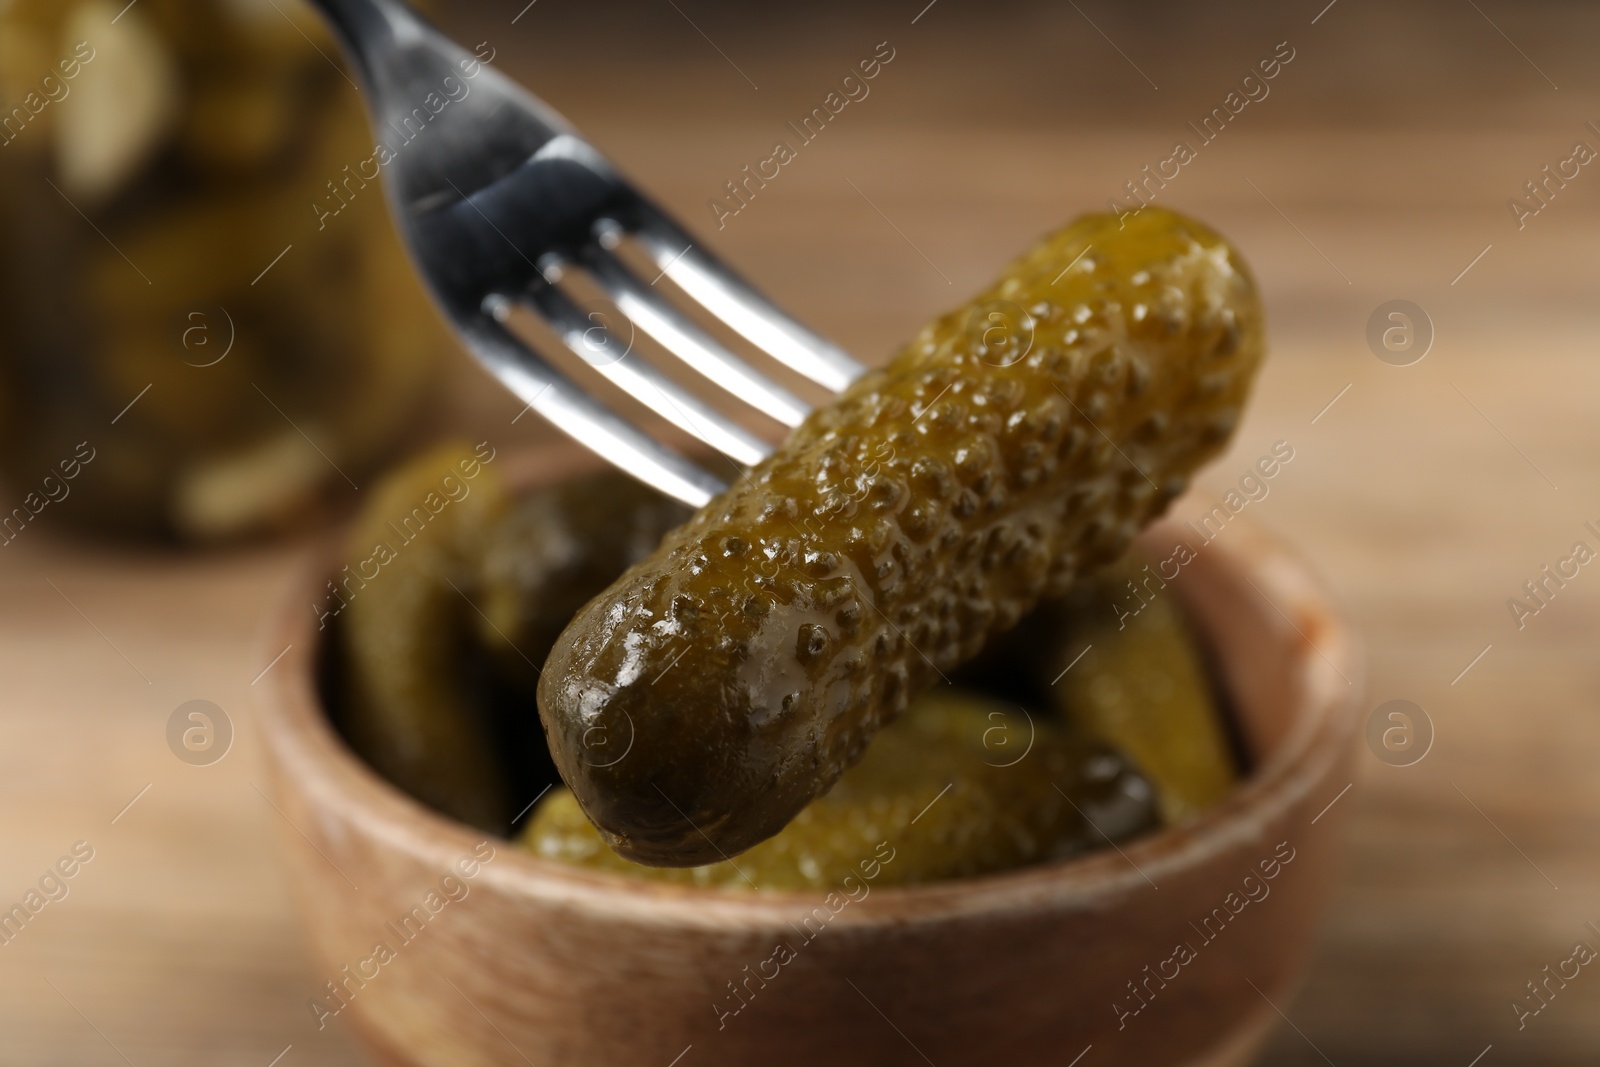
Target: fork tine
<point x="580" y="416"/>
<point x="656" y="316"/>
<point x="729" y="297"/>
<point x="639" y="379"/>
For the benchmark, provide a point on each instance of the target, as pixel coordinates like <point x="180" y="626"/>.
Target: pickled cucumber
<point x="554" y="549"/>
<point x="1142" y="686"/>
<point x="960" y="785"/>
<point x="452" y="593"/>
<point x="402" y="615"/>
<point x="1015" y="444"/>
<point x="1117" y="658"/>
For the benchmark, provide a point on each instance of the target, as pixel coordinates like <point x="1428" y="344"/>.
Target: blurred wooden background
<point x="1379" y="167"/>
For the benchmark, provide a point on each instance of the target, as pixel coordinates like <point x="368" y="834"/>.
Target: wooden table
<point x="1379" y="167"/>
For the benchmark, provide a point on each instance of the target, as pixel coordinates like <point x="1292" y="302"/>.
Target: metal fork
<point x="497" y="196"/>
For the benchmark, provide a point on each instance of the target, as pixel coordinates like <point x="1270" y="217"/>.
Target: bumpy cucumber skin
<point x="749" y="661"/>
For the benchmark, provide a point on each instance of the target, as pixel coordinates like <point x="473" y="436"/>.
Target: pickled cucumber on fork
<point x="1015" y="444"/>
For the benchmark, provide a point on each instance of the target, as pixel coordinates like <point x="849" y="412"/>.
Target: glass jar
<point x="187" y="325"/>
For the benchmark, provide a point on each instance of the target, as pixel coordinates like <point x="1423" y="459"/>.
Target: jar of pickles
<point x="178" y="303"/>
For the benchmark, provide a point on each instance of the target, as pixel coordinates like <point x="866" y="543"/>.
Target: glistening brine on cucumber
<point x="1014" y="445"/>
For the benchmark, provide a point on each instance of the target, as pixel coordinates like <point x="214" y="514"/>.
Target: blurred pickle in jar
<point x="177" y="287"/>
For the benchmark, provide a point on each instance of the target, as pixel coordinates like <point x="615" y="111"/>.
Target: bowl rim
<point x="303" y="743"/>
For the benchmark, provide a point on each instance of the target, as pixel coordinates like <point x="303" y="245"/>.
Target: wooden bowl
<point x="1176" y="949"/>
